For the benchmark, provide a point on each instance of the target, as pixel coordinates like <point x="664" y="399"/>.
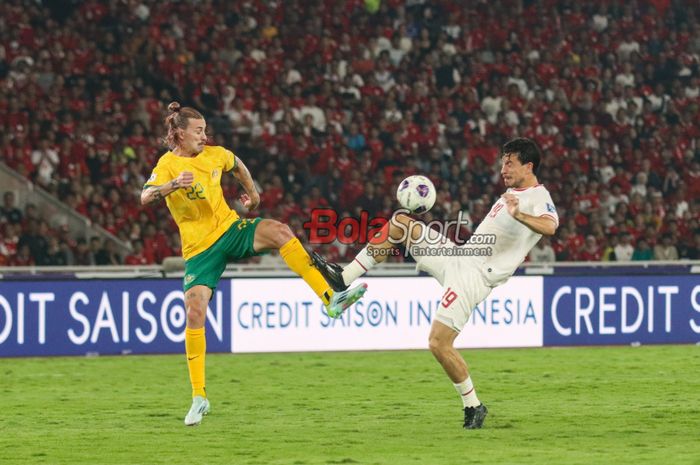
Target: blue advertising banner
<point x="621" y="310"/>
<point x="103" y="317"/>
<point x="79" y="317"/>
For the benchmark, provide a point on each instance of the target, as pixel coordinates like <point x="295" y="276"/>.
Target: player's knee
<point x="196" y="313"/>
<point x="282" y="234"/>
<point x="400" y="223"/>
<point x="403" y="227"/>
<point x="402" y="218"/>
<point x="437" y="345"/>
<point x="196" y="309"/>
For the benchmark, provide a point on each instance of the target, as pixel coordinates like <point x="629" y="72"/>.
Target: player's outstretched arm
<point x="540" y="224"/>
<point x="153" y="194"/>
<point x="251" y="199"/>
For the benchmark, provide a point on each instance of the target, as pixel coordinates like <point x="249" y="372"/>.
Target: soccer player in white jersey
<point x="512" y="227"/>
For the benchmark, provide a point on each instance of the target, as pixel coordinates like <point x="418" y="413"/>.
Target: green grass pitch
<point x="604" y="405"/>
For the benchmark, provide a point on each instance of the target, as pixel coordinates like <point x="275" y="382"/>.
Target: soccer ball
<point x="416" y="194"/>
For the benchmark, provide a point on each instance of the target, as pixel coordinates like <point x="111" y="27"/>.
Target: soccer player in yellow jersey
<point x="188" y="177"/>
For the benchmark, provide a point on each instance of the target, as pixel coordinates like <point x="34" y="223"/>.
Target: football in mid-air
<point x="416" y="194"/>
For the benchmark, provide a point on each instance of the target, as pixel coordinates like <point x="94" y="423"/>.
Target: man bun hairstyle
<point x="178" y="118"/>
<point x="526" y="150"/>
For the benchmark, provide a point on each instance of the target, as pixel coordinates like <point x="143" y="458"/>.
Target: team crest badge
<point x="189" y="278"/>
<point x="214" y="173"/>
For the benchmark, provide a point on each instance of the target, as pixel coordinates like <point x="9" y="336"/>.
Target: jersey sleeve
<point x="544" y="206"/>
<point x="161" y="175"/>
<point x="229" y="160"/>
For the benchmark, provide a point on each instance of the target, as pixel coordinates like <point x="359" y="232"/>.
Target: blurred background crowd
<point x="332" y="102"/>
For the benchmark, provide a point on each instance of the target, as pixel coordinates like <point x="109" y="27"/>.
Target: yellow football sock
<point x="299" y="262"/>
<point x="196" y="349"/>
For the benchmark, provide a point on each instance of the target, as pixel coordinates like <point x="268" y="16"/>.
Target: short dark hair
<point x="526" y="149"/>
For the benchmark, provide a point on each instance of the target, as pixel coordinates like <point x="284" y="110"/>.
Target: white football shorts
<point x="464" y="285"/>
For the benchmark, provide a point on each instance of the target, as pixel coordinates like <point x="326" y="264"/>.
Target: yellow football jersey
<point x="200" y="211"/>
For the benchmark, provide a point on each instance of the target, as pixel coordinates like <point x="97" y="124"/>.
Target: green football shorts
<point x="206" y="268"/>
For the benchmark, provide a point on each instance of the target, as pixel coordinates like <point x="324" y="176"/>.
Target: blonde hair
<point x="178" y="118"/>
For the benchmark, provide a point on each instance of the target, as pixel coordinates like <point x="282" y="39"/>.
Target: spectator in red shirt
<point x="591" y="250"/>
<point x="137" y="257"/>
<point x="421" y="90"/>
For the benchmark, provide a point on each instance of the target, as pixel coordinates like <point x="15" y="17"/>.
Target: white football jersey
<point x="509" y="239"/>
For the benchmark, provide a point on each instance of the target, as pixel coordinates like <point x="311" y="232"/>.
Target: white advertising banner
<point x="284" y="315"/>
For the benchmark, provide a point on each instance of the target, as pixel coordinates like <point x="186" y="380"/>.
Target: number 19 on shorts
<point x="448" y="297"/>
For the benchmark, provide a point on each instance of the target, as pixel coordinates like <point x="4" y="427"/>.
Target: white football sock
<point x="362" y="263"/>
<point x="468" y="393"/>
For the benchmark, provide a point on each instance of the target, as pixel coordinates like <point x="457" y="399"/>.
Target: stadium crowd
<point x="330" y="103"/>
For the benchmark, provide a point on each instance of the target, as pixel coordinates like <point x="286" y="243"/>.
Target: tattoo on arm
<point x="158" y="193"/>
<point x="240" y="171"/>
<point x="157" y="196"/>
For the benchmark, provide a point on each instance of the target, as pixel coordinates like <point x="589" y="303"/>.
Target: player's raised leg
<point x="441" y="343"/>
<point x="271" y="234"/>
<point x="395" y="232"/>
<point x="196" y="301"/>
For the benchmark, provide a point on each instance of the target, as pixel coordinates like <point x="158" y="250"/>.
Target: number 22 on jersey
<point x="196" y="192"/>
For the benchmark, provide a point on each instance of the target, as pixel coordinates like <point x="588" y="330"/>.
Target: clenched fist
<point x="512" y="204"/>
<point x="184" y="179"/>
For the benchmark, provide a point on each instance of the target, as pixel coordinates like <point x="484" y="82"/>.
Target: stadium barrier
<point x="558" y="305"/>
<point x="54" y="212"/>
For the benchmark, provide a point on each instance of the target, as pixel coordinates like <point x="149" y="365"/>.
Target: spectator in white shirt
<point x="542" y="252"/>
<point x="625" y="249"/>
<point x="640" y="185"/>
<point x="666" y="250"/>
<point x="46" y="161"/>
